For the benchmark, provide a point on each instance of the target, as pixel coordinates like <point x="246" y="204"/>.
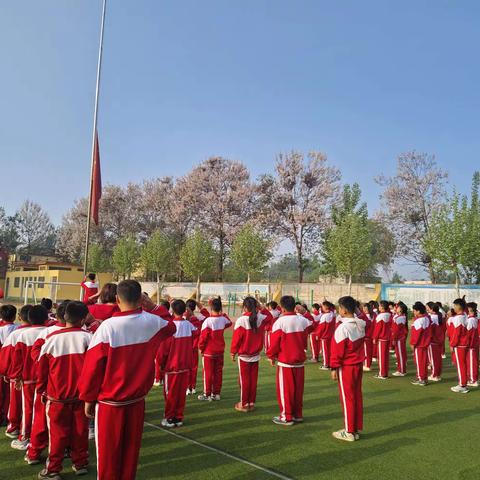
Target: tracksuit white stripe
<point x="418" y="364"/>
<point x="96" y="438"/>
<point x="23" y="426"/>
<point x="458" y="368"/>
<point x="400" y="355"/>
<point x="344" y="400"/>
<point x="241" y="383"/>
<point x="282" y="394"/>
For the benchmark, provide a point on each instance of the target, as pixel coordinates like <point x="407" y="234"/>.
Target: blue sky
<point x="183" y="80"/>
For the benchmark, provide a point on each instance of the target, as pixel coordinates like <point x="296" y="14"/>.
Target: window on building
<point x="41" y="280"/>
<point x="16" y="282"/>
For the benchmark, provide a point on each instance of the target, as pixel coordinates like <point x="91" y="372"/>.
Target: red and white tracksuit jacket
<point x="459" y="341"/>
<point x="399" y="339"/>
<point x="177" y="365"/>
<point x="472" y="351"/>
<point x="368" y="342"/>
<point x="381" y="335"/>
<point x="247" y="344"/>
<point x="347" y="357"/>
<point x="275" y="313"/>
<point x="59" y="366"/>
<point x="14" y="414"/>
<point x="89" y="289"/>
<point x="118" y="373"/>
<point x="437" y="345"/>
<point x="212" y="347"/>
<point x="39" y="432"/>
<point x="420" y="338"/>
<point x="288" y="346"/>
<point x="196" y="321"/>
<point x="100" y="312"/>
<point x="325" y="329"/>
<point x="24" y="368"/>
<point x="6" y="328"/>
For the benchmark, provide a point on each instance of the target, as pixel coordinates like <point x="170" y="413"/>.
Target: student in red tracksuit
<point x="159" y="373"/>
<point x="197" y="321"/>
<point x="459" y="342"/>
<point x="177" y="364"/>
<point x="381" y="338"/>
<point x="347" y="367"/>
<point x="59" y="366"/>
<point x="104" y="308"/>
<point x="367" y="310"/>
<point x="247" y="343"/>
<point x="437" y="344"/>
<point x="288" y="345"/>
<point x="374" y="305"/>
<point x="24" y="371"/>
<point x="315" y="340"/>
<point x="14" y="414"/>
<point x="212" y="347"/>
<point x="117" y="375"/>
<point x="8" y="313"/>
<point x="420" y="338"/>
<point x="90" y="287"/>
<point x="325" y="330"/>
<point x="39" y="433"/>
<point x="399" y="337"/>
<point x="472" y="351"/>
<point x="275" y="312"/>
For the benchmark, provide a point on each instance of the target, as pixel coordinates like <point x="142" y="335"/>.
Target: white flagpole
<point x="95" y="116"/>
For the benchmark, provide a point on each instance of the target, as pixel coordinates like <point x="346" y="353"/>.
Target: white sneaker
<point x="216" y="398"/>
<point x="379" y="377"/>
<point x="80" y="470"/>
<point x="168" y="423"/>
<point x="434" y="379"/>
<point x="91" y="433"/>
<point x="20" y="444"/>
<point x="156" y="383"/>
<point x="398" y="374"/>
<point x="356" y="435"/>
<point x="374" y="360"/>
<point x="444" y="356"/>
<point x="205" y="398"/>
<point x="30" y="461"/>
<point x="279" y="421"/>
<point x="343" y="435"/>
<point x="367" y="369"/>
<point x="459" y="389"/>
<point x="472" y="384"/>
<point x="12" y="434"/>
<point x="193" y="391"/>
<point x="189" y="392"/>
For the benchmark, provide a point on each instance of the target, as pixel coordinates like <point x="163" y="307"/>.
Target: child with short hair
<point x="275" y="312"/>
<point x="473" y="345"/>
<point x="212" y="347"/>
<point x="8" y="313"/>
<point x="399" y="337"/>
<point x="381" y="337"/>
<point x="420" y="338"/>
<point x="6" y="362"/>
<point x="90" y="287"/>
<point x="177" y="364"/>
<point x="287" y="348"/>
<point x="60" y="364"/>
<point x="368" y="342"/>
<point x="459" y="340"/>
<point x="435" y="350"/>
<point x="196" y="321"/>
<point x="247" y="342"/>
<point x="325" y="330"/>
<point x="347" y="367"/>
<point x="24" y="370"/>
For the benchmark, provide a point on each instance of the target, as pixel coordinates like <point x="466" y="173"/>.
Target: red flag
<point x="96" y="182"/>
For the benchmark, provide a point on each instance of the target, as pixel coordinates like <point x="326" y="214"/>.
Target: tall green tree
<point x="471" y="249"/>
<point x="250" y="252"/>
<point x="158" y="256"/>
<point x="197" y="257"/>
<point x="126" y="256"/>
<point x="98" y="260"/>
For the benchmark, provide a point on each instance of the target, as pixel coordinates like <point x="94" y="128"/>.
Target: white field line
<point x="221" y="452"/>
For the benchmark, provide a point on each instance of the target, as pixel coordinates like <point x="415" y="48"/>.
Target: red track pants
<point x="247" y="378"/>
<point x="290" y="385"/>
<point x="368" y="350"/>
<point x="421" y="362"/>
<point x="175" y="393"/>
<point x="326" y="351"/>
<point x="435" y="359"/>
<point x="118" y="431"/>
<point x="4" y="399"/>
<point x="192" y="383"/>
<point x="68" y="427"/>
<point x="39" y="435"/>
<point x="460" y="354"/>
<point x="401" y="355"/>
<point x="383" y="357"/>
<point x="212" y="375"/>
<point x="28" y="399"/>
<point x="350" y="388"/>
<point x="472" y="364"/>
<point x="15" y="409"/>
<point x="315" y="346"/>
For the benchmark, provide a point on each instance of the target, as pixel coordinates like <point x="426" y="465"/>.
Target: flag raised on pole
<point x="96" y="182"/>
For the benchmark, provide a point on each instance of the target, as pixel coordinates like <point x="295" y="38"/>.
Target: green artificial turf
<point x="410" y="433"/>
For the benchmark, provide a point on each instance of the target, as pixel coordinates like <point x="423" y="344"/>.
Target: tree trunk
<point x="158" y="288"/>
<point x="457" y="283"/>
<point x="350" y="284"/>
<point x="248" y="283"/>
<point x="198" y="288"/>
<point x="431" y="273"/>
<point x="221" y="253"/>
<point x="300" y="265"/>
